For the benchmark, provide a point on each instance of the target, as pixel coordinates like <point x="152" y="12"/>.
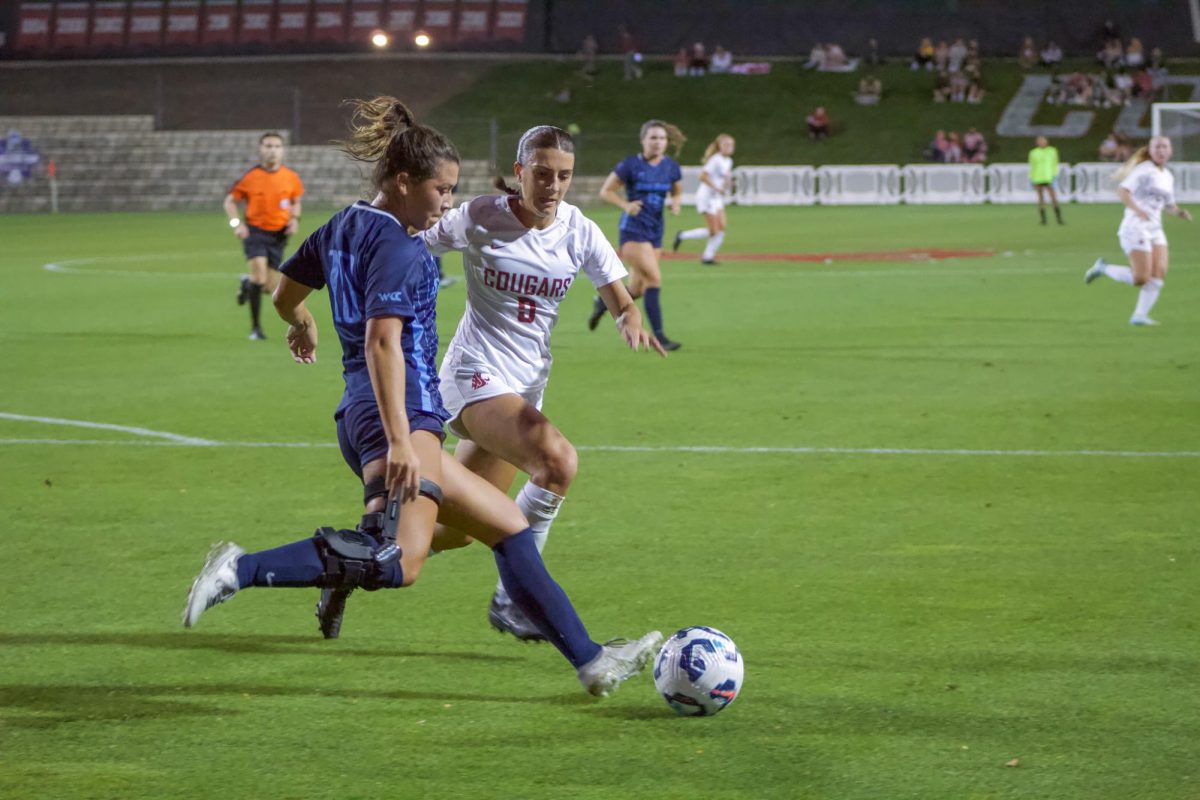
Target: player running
<point x="271" y="193"/>
<point x="716" y="183"/>
<point x="521" y="253"/>
<point x="1147" y="188"/>
<point x="383" y="287"/>
<point x="649" y="179"/>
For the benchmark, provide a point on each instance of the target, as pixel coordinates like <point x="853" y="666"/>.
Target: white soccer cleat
<point x="617" y="662"/>
<point x="1142" y="319"/>
<point x="216" y="583"/>
<point x="1095" y="270"/>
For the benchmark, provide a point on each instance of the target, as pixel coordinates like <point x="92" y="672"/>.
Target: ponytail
<point x="713" y="147"/>
<point x="1139" y="155"/>
<point x="384" y="132"/>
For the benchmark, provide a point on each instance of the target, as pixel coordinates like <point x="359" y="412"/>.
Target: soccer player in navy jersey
<point x="652" y="180"/>
<point x="383" y="285"/>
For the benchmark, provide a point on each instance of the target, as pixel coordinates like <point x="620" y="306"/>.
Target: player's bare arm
<point x="627" y="317"/>
<point x="289" y="299"/>
<point x="609" y="193"/>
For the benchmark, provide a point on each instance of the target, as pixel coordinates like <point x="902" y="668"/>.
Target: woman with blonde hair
<point x="716" y="182"/>
<point x="651" y="180"/>
<point x="1147" y="188"/>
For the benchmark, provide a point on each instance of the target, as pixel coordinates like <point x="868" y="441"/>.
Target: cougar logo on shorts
<point x="479" y="380"/>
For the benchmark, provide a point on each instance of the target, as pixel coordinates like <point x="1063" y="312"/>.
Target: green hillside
<point x="766" y="113"/>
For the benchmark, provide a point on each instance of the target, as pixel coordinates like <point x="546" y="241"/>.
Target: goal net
<point x="1180" y="122"/>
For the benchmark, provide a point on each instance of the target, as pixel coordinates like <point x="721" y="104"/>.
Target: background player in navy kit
<point x="651" y="179"/>
<point x="271" y="193"/>
<point x="521" y="252"/>
<point x="383" y="286"/>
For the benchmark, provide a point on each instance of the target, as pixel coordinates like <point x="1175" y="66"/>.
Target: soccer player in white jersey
<point x="1147" y="188"/>
<point x="521" y="252"/>
<point x="716" y="184"/>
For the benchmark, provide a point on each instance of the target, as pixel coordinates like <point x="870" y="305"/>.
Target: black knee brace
<point x="377" y="487"/>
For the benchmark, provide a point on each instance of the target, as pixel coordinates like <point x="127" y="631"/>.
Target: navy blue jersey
<point x="651" y="184"/>
<point x="375" y="269"/>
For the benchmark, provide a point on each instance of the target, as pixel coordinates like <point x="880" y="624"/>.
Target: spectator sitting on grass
<point x="818" y="123"/>
<point x="959" y="83"/>
<point x="941" y="87"/>
<point x="682" y="59"/>
<point x="941" y="56"/>
<point x="953" y="153"/>
<point x="957" y="55"/>
<point x="1051" y="55"/>
<point x="936" y="151"/>
<point x="974" y="147"/>
<point x="816" y="57"/>
<point x="975" y="92"/>
<point x="924" y="56"/>
<point x="722" y="61"/>
<point x="1134" y="55"/>
<point x="1109" y="148"/>
<point x="1111" y="54"/>
<point x="870" y="91"/>
<point x="698" y="65"/>
<point x="836" y="60"/>
<point x="1027" y="56"/>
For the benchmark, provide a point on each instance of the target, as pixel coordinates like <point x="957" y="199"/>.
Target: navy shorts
<point x="265" y="244"/>
<point x="638" y="236"/>
<point x="361" y="436"/>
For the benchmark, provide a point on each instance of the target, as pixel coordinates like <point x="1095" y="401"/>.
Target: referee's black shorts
<point x="263" y="243"/>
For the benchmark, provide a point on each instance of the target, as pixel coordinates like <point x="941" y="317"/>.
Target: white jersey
<point x="719" y="169"/>
<point x="516" y="278"/>
<point x="1153" y="189"/>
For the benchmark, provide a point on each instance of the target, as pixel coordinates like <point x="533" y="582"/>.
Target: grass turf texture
<point x="765" y="113"/>
<point x="910" y="623"/>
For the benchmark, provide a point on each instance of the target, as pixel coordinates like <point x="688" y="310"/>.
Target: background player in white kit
<point x="521" y="253"/>
<point x="1147" y="189"/>
<point x="716" y="184"/>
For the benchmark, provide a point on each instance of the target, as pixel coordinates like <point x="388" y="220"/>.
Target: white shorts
<point x="1142" y="238"/>
<point x="464" y="382"/>
<point x="709" y="202"/>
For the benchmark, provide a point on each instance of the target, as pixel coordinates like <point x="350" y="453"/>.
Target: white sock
<point x="1119" y="274"/>
<point x="540" y="507"/>
<point x="714" y="244"/>
<point x="1147" y="297"/>
<point x="694" y="233"/>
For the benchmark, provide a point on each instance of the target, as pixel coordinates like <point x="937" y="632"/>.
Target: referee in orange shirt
<point x="271" y="193"/>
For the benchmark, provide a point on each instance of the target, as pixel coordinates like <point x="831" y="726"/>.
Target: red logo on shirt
<point x="478" y="381"/>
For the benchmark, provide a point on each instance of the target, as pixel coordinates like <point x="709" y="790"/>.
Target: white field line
<point x="174" y="438"/>
<point x="72" y="266"/>
<point x="699" y="449"/>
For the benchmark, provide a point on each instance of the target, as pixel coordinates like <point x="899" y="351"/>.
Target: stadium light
<point x="380" y="39"/>
<point x="422" y="39"/>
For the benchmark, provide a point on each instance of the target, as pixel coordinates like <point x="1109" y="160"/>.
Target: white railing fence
<point x="952" y="184"/>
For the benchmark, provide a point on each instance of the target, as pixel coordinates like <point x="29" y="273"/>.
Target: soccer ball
<point x="698" y="671"/>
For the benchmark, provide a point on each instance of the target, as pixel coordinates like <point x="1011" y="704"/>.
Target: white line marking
<point x="105" y="426"/>
<point x="698" y="449"/>
<point x="71" y="266"/>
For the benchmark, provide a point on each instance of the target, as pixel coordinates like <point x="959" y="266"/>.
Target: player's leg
<point x="715" y="219"/>
<point x="506" y="433"/>
<point x="646" y="276"/>
<point x="1154" y="270"/>
<point x="1054" y="200"/>
<point x="473" y="503"/>
<point x="325" y="559"/>
<point x="1041" y="194"/>
<point x="259" y="276"/>
<point x="692" y="233"/>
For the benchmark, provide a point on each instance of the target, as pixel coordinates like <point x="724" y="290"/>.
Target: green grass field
<point x="1017" y="580"/>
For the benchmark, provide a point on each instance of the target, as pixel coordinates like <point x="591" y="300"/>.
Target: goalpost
<point x="1180" y="122"/>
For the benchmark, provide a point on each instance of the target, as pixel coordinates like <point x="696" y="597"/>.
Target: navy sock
<point x="299" y="564"/>
<point x="653" y="311"/>
<point x="295" y="564"/>
<point x="543" y="601"/>
<point x="256" y="290"/>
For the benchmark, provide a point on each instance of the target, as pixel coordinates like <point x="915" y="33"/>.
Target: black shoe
<point x="243" y="291"/>
<point x="668" y="344"/>
<point x="330" y="609"/>
<point x="678" y="241"/>
<point x="507" y="618"/>
<point x="256" y="335"/>
<point x="709" y="262"/>
<point x="598" y="311"/>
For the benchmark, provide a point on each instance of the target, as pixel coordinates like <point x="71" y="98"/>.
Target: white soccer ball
<point x="698" y="671"/>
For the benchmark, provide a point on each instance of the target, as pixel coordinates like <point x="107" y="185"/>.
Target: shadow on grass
<point x="252" y="644"/>
<point x="58" y="705"/>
